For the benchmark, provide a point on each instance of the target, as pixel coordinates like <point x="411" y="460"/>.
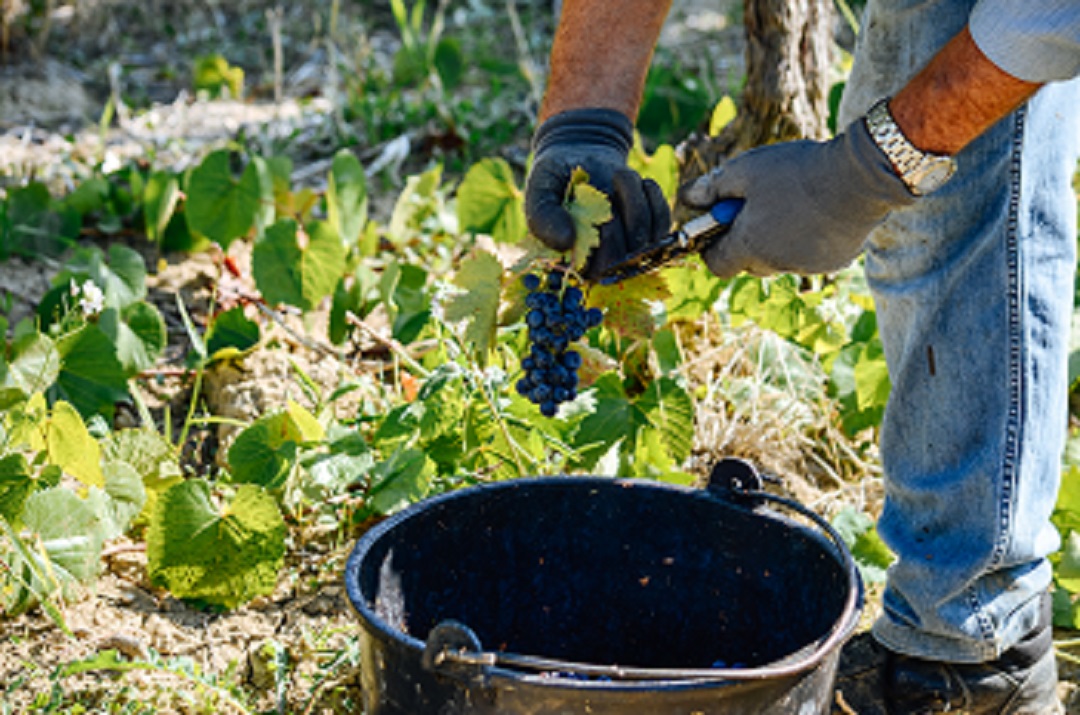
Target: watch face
<point x="931" y="176"/>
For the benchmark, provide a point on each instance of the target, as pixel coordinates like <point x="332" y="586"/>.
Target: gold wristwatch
<point x="922" y="172"/>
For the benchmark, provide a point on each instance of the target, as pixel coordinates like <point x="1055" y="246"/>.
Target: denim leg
<point x="973" y="287"/>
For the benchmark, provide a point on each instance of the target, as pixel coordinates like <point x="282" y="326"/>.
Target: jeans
<point x="974" y="290"/>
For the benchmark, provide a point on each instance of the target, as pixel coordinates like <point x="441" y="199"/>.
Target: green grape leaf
<point x="662" y="166"/>
<point x="17" y="483"/>
<point x="223" y="555"/>
<point x="589" y="208"/>
<point x="651" y="458"/>
<point x="126" y="497"/>
<point x="215" y="75"/>
<point x="1067" y="573"/>
<point x="782" y="310"/>
<point x="656" y="428"/>
<point x="843" y="388"/>
<point x="233" y="331"/>
<point x="347" y="197"/>
<point x="91" y="377"/>
<point x="1067" y="509"/>
<point x="399" y="481"/>
<point x="72" y="448"/>
<point x="419" y="202"/>
<point x="480" y="278"/>
<point x="70" y="529"/>
<point x="295" y="267"/>
<point x="626" y="305"/>
<point x="151" y="456"/>
<point x="399" y="422"/>
<point x="872" y="383"/>
<point x="33" y="226"/>
<point x="860" y="534"/>
<point x="266" y="451"/>
<point x="331" y="474"/>
<point x="440" y="402"/>
<point x="403" y="288"/>
<point x="694" y="290"/>
<point x="348" y="298"/>
<point x="449" y="62"/>
<point x="139" y="334"/>
<point x="668" y="352"/>
<point x="34" y="366"/>
<point x="667" y="407"/>
<point x="122" y="278"/>
<point x="489" y="201"/>
<point x="89" y="196"/>
<point x="611" y="421"/>
<point x="160" y="198"/>
<point x="219" y="206"/>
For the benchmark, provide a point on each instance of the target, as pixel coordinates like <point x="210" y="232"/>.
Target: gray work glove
<point x="809" y="205"/>
<point x="597" y="140"/>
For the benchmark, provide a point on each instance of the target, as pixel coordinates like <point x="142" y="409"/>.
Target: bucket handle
<point x="453" y="649"/>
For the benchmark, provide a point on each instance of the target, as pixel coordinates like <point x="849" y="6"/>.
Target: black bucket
<point x="562" y="595"/>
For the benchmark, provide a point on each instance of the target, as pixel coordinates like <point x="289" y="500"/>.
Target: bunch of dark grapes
<point x="556" y="318"/>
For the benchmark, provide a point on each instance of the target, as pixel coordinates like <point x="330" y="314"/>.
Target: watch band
<point x="922" y="172"/>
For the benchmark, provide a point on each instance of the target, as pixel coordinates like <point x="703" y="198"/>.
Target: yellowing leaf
<point x="589" y="208"/>
<point x="25" y="424"/>
<point x="72" y="448"/>
<point x="305" y="423"/>
<point x="722" y="115"/>
<point x="626" y="305"/>
<point x="480" y="276"/>
<point x="223" y="554"/>
<point x="662" y="166"/>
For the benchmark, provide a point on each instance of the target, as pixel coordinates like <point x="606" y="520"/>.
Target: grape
<point x="572" y="297"/>
<point x="557" y="317"/>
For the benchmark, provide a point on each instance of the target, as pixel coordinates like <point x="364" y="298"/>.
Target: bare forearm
<point x="601" y="54"/>
<point x="956" y="97"/>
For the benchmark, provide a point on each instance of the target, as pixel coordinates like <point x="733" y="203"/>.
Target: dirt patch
<point x="306" y="623"/>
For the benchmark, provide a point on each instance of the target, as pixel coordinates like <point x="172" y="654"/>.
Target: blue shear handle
<point x="725" y="211"/>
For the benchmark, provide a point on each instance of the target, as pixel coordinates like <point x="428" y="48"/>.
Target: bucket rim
<point x="802" y="661"/>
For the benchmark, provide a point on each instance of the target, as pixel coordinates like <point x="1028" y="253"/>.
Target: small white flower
<point x="92" y="301"/>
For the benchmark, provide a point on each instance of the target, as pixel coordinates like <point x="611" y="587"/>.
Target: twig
<point x="273" y="19"/>
<point x="117" y="549"/>
<point x="302" y="339"/>
<point x="528" y="67"/>
<point x="393" y="345"/>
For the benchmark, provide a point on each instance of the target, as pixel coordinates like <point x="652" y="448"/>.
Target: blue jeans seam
<point x="1014" y="423"/>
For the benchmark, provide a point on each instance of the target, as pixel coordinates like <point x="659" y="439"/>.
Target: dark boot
<point x="872" y="680"/>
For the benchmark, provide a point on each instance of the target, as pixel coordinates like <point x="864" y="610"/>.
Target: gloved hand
<point x="597" y="140"/>
<point x="809" y="205"/>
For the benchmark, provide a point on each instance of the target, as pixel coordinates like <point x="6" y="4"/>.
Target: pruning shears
<point x="694" y="236"/>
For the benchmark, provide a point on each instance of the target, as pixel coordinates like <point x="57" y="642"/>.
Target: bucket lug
<point x="735" y="480"/>
<point x="447" y="649"/>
